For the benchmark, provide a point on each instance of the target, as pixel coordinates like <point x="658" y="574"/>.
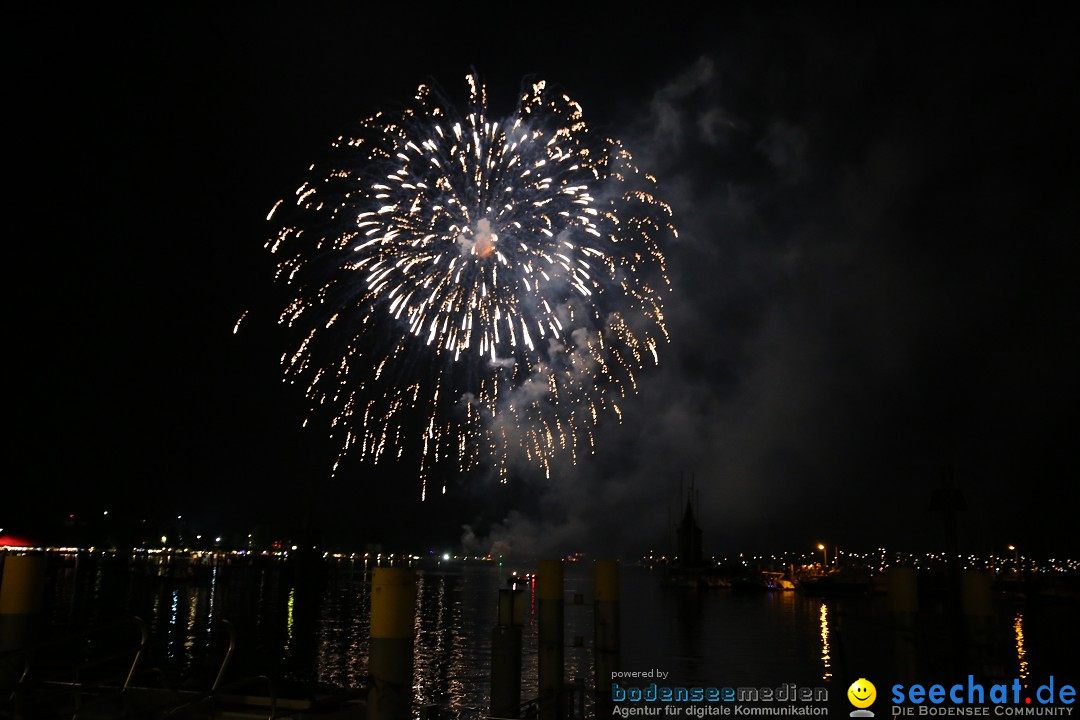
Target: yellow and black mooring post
<point x="21" y="588"/>
<point x="549" y="591"/>
<point x="506" y="655"/>
<point x="390" y="659"/>
<point x="607" y="641"/>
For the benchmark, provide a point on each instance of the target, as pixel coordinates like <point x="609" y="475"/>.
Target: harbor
<point x="274" y="634"/>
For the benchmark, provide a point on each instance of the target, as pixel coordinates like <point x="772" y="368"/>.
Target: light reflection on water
<point x="314" y="627"/>
<point x="173" y="612"/>
<point x="342" y="636"/>
<point x="289" y="618"/>
<point x="826" y="659"/>
<point x="210" y="600"/>
<point x="1021" y="653"/>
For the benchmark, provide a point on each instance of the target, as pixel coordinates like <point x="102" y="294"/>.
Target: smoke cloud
<point x="843" y="311"/>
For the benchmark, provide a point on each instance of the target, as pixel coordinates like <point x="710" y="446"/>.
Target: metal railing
<point x="569" y="704"/>
<point x="210" y="699"/>
<point x="94" y="671"/>
<point x="63" y="664"/>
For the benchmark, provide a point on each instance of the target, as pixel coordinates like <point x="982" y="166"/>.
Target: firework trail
<point x="467" y="289"/>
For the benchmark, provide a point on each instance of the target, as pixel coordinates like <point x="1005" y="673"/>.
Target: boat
<point x="845" y="580"/>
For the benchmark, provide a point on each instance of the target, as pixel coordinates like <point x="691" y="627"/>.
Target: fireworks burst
<point x="471" y="289"/>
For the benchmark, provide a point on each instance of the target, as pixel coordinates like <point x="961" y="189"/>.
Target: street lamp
<point x="1016" y="556"/>
<point x="824" y="555"/>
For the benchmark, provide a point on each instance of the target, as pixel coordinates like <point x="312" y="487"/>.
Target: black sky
<point x="875" y="278"/>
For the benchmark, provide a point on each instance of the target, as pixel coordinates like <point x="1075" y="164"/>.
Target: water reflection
<point x="342" y="636"/>
<point x="289" y="618"/>
<point x="310" y="623"/>
<point x="191" y="598"/>
<point x="1021" y="653"/>
<point x="456" y="612"/>
<point x="211" y="598"/>
<point x="826" y="657"/>
<point x="173" y="612"/>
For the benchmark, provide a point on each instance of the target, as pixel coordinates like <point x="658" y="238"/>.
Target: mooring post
<point x="607" y="642"/>
<point x="549" y="591"/>
<point x="390" y="660"/>
<point x="904" y="602"/>
<point x="978" y="607"/>
<point x="21" y="589"/>
<point x="506" y="655"/>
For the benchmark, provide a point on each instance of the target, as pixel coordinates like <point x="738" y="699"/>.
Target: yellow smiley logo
<point x="862" y="693"/>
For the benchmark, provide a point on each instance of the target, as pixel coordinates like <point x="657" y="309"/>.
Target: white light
<point x="446" y="556"/>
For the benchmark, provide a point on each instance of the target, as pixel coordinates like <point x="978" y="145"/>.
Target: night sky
<point x="875" y="279"/>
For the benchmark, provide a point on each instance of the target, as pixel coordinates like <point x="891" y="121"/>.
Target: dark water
<point x="311" y="625"/>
